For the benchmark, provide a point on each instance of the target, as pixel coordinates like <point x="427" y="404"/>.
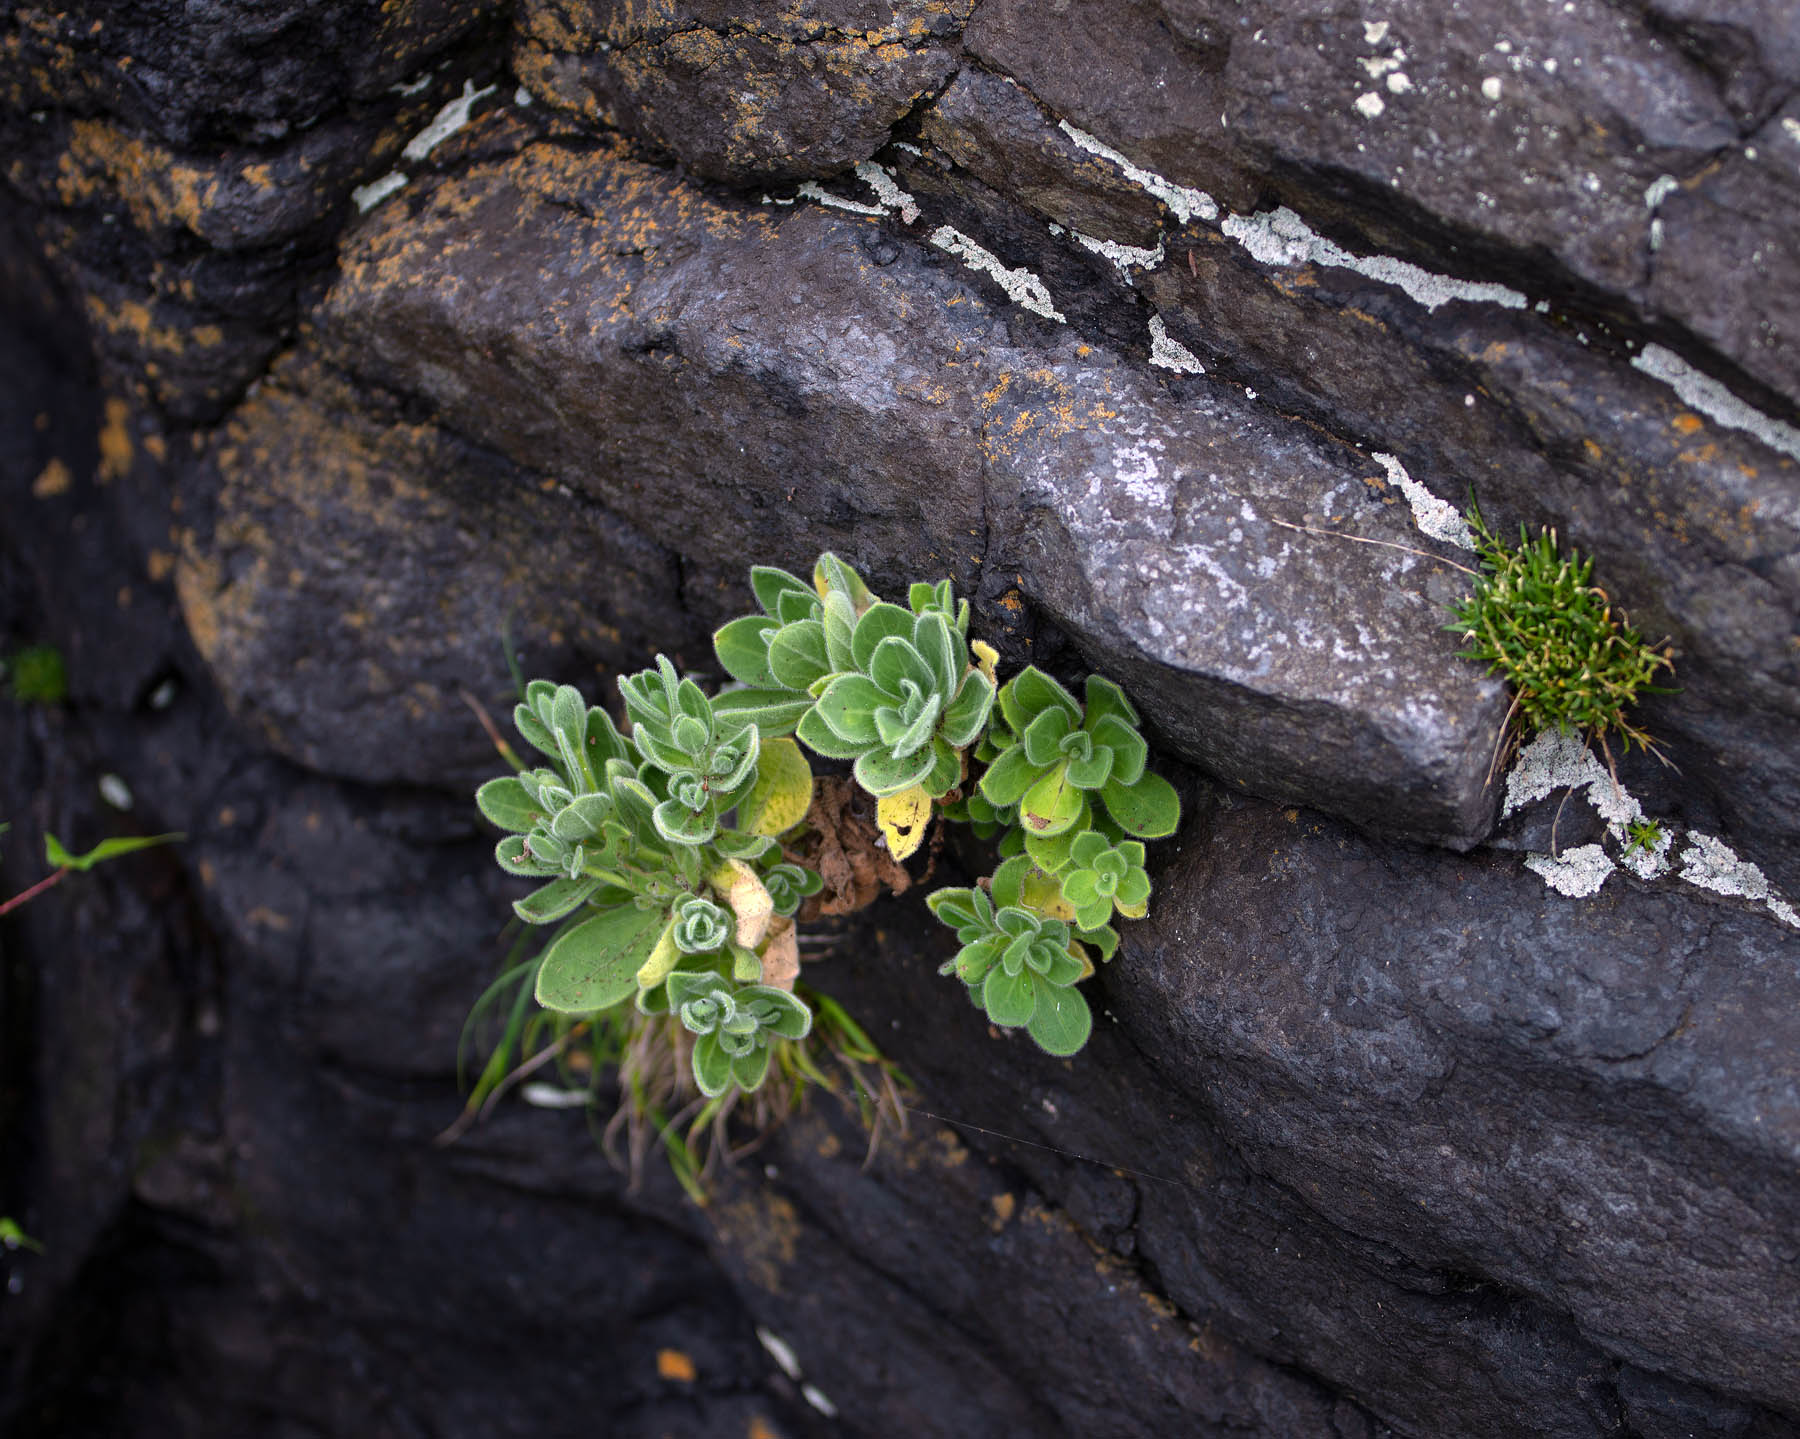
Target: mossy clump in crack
<point x="1573" y="661"/>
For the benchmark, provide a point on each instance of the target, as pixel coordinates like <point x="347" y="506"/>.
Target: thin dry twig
<point x="1385" y="544"/>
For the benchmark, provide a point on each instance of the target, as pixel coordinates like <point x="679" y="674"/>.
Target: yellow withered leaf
<point x="783" y="790"/>
<point x="738" y="885"/>
<point x="986" y="658"/>
<point x="904" y="818"/>
<point x="1043" y="892"/>
<point x="781" y="955"/>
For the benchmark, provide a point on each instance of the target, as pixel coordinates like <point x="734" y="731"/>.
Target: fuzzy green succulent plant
<point x="670" y="860"/>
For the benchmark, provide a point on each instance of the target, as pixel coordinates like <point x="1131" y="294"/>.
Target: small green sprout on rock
<point x="36" y="675"/>
<point x="1643" y="834"/>
<point x="1573" y="661"/>
<point x="63" y="864"/>
<point x="673" y="862"/>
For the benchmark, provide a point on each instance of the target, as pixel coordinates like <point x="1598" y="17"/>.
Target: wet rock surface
<point x="348" y="350"/>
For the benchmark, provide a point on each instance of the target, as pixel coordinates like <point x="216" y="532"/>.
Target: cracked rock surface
<point x="348" y="348"/>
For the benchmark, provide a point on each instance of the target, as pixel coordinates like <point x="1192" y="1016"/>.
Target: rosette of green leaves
<point x="909" y="704"/>
<point x="783" y="656"/>
<point x="577" y="737"/>
<point x="1102" y="877"/>
<point x="1063" y="756"/>
<point x="708" y="762"/>
<point x="789" y="884"/>
<point x="700" y="926"/>
<point x="577" y="822"/>
<point x="734" y="1027"/>
<point x="1017" y="963"/>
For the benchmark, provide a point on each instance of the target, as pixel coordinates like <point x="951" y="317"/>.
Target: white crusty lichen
<point x="1184" y="202"/>
<point x="1122" y="256"/>
<point x="1712" y="864"/>
<point x="1554" y="761"/>
<point x="1712" y="399"/>
<point x="1022" y="287"/>
<point x="1436" y="518"/>
<point x="812" y="190"/>
<point x="446" y="123"/>
<point x="1575" y="872"/>
<point x="887" y="190"/>
<point x="368" y="196"/>
<point x="1280" y="237"/>
<point x="1171" y="354"/>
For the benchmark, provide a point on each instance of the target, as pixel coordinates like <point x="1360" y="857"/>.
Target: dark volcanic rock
<point x="1171" y="331"/>
<point x="230" y="73"/>
<point x="743" y="92"/>
<point x="1147" y="517"/>
<point x="383" y="581"/>
<point x="1483" y="139"/>
<point x="189" y="170"/>
<point x="1589" y="1101"/>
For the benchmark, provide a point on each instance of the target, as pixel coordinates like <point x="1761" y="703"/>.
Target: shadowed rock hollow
<point x="339" y="344"/>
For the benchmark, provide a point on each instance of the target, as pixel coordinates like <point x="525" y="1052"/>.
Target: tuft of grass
<point x="1573" y="660"/>
<point x="36" y="675"/>
<point x="658" y="1104"/>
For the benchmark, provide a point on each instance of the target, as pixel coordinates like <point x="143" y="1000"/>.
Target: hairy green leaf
<point x="1149" y="809"/>
<point x="1009" y="999"/>
<point x="743" y="649"/>
<point x="595" y="965"/>
<point x="1060" y="1020"/>
<point x="506" y="803"/>
<point x="554" y="900"/>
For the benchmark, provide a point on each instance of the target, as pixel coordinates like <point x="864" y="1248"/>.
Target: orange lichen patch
<point x="763" y="1230"/>
<point x="1686" y="423"/>
<point x="1594" y="452"/>
<point x="673" y="1364"/>
<point x="115" y="442"/>
<point x="198" y="581"/>
<point x="269" y="919"/>
<point x="1003" y="1206"/>
<point x="761" y="1428"/>
<point x="155" y="444"/>
<point x="53" y="479"/>
<point x="137" y="324"/>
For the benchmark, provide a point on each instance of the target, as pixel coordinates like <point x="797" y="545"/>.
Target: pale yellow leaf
<point x="904" y="818"/>
<point x="783" y="790"/>
<point x="986" y="659"/>
<point x="744" y="893"/>
<point x="1043" y="892"/>
<point x="662" y="961"/>
<point x="781" y="956"/>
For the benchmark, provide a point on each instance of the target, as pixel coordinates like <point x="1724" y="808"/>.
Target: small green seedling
<point x="37" y="675"/>
<point x="63" y="863"/>
<point x="670" y="861"/>
<point x="1643" y="834"/>
<point x="13" y="1237"/>
<point x="1573" y="661"/>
